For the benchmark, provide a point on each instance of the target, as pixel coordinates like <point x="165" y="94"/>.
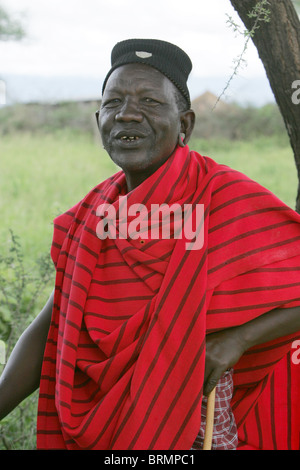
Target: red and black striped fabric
<point x="124" y="360"/>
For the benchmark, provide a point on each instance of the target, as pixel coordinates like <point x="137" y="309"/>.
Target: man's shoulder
<point x="220" y="171"/>
<point x="222" y="181"/>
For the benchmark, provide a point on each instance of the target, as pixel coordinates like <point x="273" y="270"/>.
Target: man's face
<point x="139" y="119"/>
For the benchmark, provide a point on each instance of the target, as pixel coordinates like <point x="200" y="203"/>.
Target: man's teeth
<point x="129" y="138"/>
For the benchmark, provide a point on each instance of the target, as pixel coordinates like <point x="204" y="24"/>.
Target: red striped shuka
<point x="124" y="359"/>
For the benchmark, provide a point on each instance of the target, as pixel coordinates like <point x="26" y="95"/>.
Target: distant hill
<point x="208" y="101"/>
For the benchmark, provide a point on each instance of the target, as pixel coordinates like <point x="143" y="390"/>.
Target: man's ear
<point x="187" y="124"/>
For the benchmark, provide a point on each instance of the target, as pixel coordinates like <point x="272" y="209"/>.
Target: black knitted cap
<point x="169" y="59"/>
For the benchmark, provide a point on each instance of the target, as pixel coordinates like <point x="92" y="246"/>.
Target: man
<point x="143" y="327"/>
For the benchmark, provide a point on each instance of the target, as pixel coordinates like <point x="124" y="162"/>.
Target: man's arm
<point x="224" y="349"/>
<point x="21" y="375"/>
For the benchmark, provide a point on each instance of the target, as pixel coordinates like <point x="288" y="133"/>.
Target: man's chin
<point x="131" y="160"/>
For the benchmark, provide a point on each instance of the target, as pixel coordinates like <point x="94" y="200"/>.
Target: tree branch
<point x="10" y="30"/>
<point x="278" y="46"/>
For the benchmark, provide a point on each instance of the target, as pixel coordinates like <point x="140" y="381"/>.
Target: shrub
<point x="20" y="293"/>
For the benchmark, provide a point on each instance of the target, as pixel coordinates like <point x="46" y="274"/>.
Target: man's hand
<point x="223" y="350"/>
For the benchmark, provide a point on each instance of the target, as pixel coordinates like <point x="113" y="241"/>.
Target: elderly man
<point x="142" y="327"/>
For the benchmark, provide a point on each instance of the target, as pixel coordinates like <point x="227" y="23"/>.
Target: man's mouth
<point x="129" y="138"/>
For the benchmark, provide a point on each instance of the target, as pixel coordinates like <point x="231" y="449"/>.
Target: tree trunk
<point x="278" y="46"/>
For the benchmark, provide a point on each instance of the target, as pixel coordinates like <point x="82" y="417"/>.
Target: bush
<point x="20" y="293"/>
<point x="234" y="122"/>
<point x="47" y="118"/>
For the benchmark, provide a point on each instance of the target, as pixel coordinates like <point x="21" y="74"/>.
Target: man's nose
<point x="130" y="111"/>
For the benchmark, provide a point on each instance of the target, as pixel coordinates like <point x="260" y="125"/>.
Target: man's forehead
<point x="138" y="75"/>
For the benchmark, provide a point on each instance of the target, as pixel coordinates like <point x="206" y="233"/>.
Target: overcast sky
<point x="75" y="37"/>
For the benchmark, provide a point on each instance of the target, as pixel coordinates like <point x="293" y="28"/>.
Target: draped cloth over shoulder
<point x="124" y="360"/>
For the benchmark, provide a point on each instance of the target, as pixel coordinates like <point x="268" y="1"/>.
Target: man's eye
<point x="112" y="102"/>
<point x="149" y="100"/>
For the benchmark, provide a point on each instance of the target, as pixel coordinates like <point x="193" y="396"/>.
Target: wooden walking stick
<point x="210" y="411"/>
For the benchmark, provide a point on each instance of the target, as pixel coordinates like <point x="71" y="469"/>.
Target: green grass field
<point x="44" y="175"/>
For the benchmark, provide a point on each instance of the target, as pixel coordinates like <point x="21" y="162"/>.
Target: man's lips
<point x="130" y="135"/>
<point x="130" y="139"/>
